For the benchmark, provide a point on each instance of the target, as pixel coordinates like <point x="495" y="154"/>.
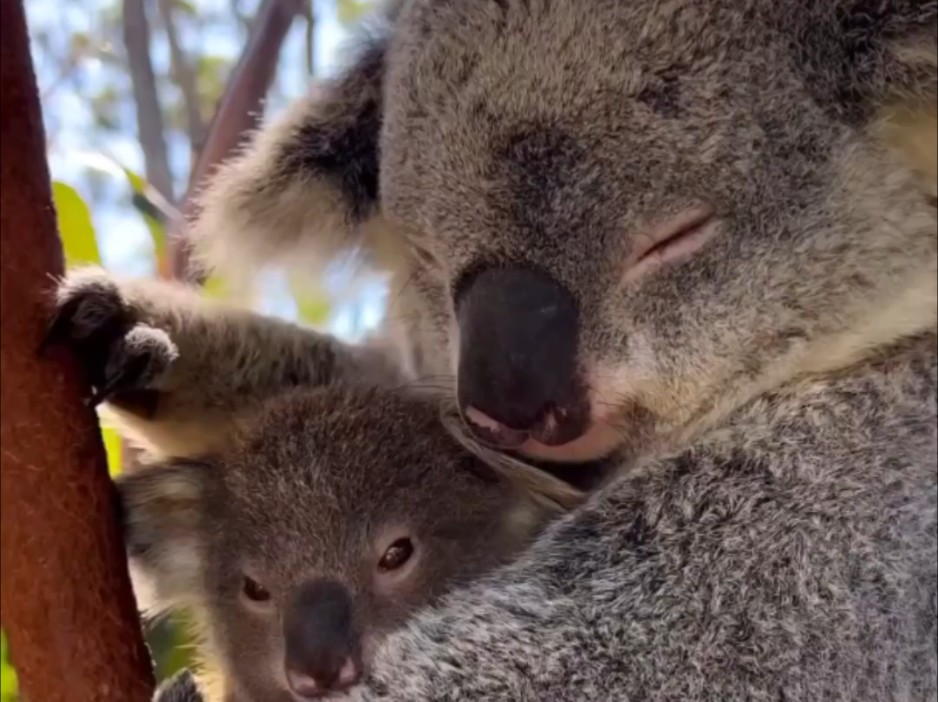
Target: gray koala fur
<point x="309" y="476"/>
<point x="315" y="489"/>
<point x="791" y="554"/>
<point x="771" y="400"/>
<point x="745" y="567"/>
<point x="179" y="372"/>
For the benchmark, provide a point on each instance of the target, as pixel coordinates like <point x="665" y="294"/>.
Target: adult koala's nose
<point x="517" y="375"/>
<point x="322" y="646"/>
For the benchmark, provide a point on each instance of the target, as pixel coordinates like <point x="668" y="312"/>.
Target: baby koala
<point x="333" y="516"/>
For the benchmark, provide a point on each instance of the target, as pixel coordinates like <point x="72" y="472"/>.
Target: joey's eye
<point x="254" y="591"/>
<point x="397" y="555"/>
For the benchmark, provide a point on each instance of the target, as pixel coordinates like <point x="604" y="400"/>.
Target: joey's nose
<point x="322" y="646"/>
<point x="517" y="358"/>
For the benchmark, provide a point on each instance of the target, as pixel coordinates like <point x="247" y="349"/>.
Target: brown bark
<point x="65" y="597"/>
<point x="239" y="112"/>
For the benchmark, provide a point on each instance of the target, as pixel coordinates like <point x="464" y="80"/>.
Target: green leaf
<point x="112" y="446"/>
<point x="187" y="8"/>
<point x="171" y="644"/>
<point x="75" y="226"/>
<point x="216" y="287"/>
<point x="312" y="306"/>
<point x="157" y="231"/>
<point x="137" y="182"/>
<point x="9" y="688"/>
<point x="140" y="199"/>
<point x="313" y="310"/>
<point x="350" y="11"/>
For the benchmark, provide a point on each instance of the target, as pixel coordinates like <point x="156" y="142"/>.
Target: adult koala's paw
<point x="182" y="687"/>
<point x="119" y="353"/>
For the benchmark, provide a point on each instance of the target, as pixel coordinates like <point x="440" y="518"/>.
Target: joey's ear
<point x="162" y="508"/>
<point x="542" y="496"/>
<point x="548" y="493"/>
<point x="305" y="189"/>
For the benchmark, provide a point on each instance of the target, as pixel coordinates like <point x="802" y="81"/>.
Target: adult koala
<point x="546" y="199"/>
<point x="681" y="234"/>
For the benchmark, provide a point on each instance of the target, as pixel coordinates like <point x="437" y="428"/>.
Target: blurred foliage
<point x="8" y="686"/>
<point x="79" y="243"/>
<point x="312" y="303"/>
<point x="350" y="11"/>
<point x="152" y="217"/>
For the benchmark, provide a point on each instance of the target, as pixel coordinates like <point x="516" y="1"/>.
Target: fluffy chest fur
<point x="790" y="555"/>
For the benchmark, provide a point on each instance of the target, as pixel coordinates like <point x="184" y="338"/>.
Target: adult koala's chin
<point x="624" y="219"/>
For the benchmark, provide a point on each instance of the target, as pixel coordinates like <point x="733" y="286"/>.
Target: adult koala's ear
<point x="305" y="188"/>
<point x="162" y="508"/>
<point x="875" y="63"/>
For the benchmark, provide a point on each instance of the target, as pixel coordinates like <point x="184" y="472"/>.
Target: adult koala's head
<point x="624" y="218"/>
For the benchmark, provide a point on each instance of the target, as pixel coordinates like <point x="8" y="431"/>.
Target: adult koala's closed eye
<point x="550" y="165"/>
<point x="337" y="515"/>
<point x="701" y="200"/>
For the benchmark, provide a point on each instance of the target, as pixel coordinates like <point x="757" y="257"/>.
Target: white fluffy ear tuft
<point x="305" y="188"/>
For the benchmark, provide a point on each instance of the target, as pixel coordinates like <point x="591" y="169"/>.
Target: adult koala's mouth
<point x="558" y="424"/>
<point x="596" y="440"/>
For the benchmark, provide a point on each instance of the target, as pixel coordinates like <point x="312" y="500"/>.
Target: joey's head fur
<point x="322" y="529"/>
<point x="703" y="200"/>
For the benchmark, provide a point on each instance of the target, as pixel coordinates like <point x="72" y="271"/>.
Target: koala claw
<point x="119" y="354"/>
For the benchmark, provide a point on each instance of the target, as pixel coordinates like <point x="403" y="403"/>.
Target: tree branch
<point x="309" y="14"/>
<point x="150" y="130"/>
<point x="65" y="597"/>
<point x="244" y="22"/>
<point x="239" y="112"/>
<point x="184" y="77"/>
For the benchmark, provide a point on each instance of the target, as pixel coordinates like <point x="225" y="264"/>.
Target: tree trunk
<point x="65" y="597"/>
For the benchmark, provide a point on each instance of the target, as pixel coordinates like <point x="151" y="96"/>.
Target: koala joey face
<point x="321" y="531"/>
<point x="637" y="210"/>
